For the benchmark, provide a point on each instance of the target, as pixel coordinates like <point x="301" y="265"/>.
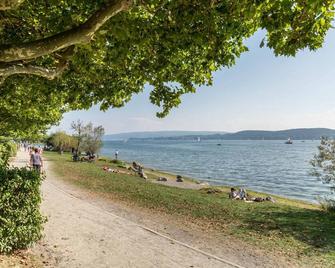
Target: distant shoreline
<point x="294" y="134"/>
<point x="210" y="139"/>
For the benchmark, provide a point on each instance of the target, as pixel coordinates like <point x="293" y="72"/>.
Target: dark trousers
<point x="37" y="168"/>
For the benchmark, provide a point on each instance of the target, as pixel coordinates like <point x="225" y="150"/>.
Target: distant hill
<point x="295" y="134"/>
<point x="158" y="134"/>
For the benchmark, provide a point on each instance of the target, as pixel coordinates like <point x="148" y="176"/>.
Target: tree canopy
<point x="61" y="141"/>
<point x="27" y="111"/>
<point x="75" y="53"/>
<point x="323" y="168"/>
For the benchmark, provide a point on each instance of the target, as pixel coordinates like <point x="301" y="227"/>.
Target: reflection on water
<point x="268" y="166"/>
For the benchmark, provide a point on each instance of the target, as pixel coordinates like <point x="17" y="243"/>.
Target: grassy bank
<point x="293" y="228"/>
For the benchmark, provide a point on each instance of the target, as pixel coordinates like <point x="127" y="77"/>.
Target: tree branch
<point x="81" y="34"/>
<point x="34" y="70"/>
<point x="49" y="73"/>
<point x="10" y="4"/>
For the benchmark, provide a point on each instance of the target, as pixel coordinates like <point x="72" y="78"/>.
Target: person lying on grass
<point x="242" y="194"/>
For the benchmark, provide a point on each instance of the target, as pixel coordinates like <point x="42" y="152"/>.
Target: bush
<point x="12" y="148"/>
<point x="117" y="162"/>
<point x="3" y="154"/>
<point x="327" y="204"/>
<point x="7" y="149"/>
<point x="20" y="218"/>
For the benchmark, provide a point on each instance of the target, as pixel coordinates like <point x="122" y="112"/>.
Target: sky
<point x="261" y="92"/>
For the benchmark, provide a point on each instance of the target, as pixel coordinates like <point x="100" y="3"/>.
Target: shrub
<point x="12" y="148"/>
<point x="20" y="198"/>
<point x="327" y="204"/>
<point x="7" y="149"/>
<point x="323" y="163"/>
<point x="3" y="154"/>
<point x="117" y="162"/>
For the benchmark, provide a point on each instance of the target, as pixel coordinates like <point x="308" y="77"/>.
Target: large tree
<point x="104" y="51"/>
<point x="88" y="137"/>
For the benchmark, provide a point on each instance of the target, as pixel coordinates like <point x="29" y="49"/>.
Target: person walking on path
<point x="36" y="160"/>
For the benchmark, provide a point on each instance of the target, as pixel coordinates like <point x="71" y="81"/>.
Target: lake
<point x="266" y="166"/>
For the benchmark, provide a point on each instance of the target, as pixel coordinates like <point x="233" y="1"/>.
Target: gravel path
<point x="80" y="234"/>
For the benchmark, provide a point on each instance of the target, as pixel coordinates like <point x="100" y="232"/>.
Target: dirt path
<point x="81" y="234"/>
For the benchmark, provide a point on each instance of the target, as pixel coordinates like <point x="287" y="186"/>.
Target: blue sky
<point x="260" y="92"/>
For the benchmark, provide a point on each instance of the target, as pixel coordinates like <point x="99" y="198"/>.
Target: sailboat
<point x="199" y="140"/>
<point x="289" y="141"/>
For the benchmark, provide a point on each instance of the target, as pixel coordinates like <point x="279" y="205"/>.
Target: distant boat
<point x="219" y="144"/>
<point x="289" y="141"/>
<point x="199" y="140"/>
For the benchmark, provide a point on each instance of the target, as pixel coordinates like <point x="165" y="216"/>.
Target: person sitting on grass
<point x="241" y="194"/>
<point x="233" y="193"/>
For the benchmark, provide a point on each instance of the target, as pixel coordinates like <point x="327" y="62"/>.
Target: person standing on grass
<point x="36" y="160"/>
<point x="116" y="154"/>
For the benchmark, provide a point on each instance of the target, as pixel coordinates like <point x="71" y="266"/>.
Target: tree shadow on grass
<point x="315" y="228"/>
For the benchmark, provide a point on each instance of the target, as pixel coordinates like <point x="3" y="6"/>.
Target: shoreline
<point x="275" y="168"/>
<point x="197" y="184"/>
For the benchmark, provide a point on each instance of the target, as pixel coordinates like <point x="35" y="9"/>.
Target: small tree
<point x="79" y="129"/>
<point x="62" y="141"/>
<point x="323" y="167"/>
<point x="89" y="138"/>
<point x="94" y="138"/>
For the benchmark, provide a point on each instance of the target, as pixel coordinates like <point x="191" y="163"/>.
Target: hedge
<point x="21" y="222"/>
<point x="7" y="149"/>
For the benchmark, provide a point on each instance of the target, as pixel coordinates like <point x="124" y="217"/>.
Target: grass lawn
<point x="295" y="229"/>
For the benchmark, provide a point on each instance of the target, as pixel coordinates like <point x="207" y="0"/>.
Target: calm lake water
<point x="267" y="166"/>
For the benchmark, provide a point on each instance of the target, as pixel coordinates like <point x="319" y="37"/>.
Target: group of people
<point x="26" y="146"/>
<point x="78" y="156"/>
<point x="242" y="194"/>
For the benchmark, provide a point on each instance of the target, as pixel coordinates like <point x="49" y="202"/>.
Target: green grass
<point x="293" y="228"/>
